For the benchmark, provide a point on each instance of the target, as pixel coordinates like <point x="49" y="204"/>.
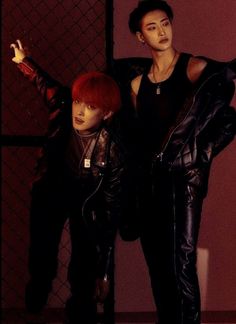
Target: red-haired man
<point x="78" y="177"/>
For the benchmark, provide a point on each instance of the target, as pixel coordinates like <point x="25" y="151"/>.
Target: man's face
<point x="86" y="118"/>
<point x="156" y="30"/>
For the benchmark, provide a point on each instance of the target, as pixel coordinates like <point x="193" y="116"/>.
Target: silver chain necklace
<point x="85" y="148"/>
<point x="158" y="84"/>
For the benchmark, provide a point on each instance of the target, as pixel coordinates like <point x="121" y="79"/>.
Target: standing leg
<point x="157" y="240"/>
<point x="81" y="307"/>
<point x="46" y="226"/>
<point x="188" y="214"/>
<point x="109" y="303"/>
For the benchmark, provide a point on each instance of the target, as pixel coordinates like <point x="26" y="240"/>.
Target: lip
<point x="164" y="40"/>
<point x="78" y="121"/>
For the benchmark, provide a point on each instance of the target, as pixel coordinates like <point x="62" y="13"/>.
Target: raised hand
<point x="19" y="51"/>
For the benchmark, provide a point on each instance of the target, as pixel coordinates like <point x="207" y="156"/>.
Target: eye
<point x="91" y="107"/>
<point x="76" y="101"/>
<point x="151" y="28"/>
<point x="166" y="23"/>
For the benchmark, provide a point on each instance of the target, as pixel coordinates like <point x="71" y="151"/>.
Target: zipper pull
<point x="159" y="157"/>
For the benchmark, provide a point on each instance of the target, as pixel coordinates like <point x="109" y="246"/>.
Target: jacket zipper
<point x="89" y="197"/>
<point x="105" y="277"/>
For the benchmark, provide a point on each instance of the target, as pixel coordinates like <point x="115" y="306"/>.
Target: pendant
<point x="158" y="89"/>
<point x="87" y="163"/>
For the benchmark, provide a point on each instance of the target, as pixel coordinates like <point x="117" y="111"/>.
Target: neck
<point x="162" y="60"/>
<point x="163" y="66"/>
<point x="85" y="134"/>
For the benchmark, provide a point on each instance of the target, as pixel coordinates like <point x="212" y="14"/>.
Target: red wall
<point x="203" y="27"/>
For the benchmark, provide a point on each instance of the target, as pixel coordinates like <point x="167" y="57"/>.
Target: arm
<point x="225" y="123"/>
<point x="195" y="68"/>
<point x="112" y="192"/>
<point x="135" y="84"/>
<point x="108" y="220"/>
<point x="222" y="128"/>
<point x="51" y="90"/>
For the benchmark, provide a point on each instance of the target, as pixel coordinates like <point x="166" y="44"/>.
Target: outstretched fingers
<point x="17" y="44"/>
<point x="13" y="45"/>
<point x="19" y="51"/>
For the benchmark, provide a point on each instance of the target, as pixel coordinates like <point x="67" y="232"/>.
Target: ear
<point x="140" y="37"/>
<point x="108" y="115"/>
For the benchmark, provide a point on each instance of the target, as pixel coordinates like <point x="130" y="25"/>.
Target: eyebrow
<point x="153" y="23"/>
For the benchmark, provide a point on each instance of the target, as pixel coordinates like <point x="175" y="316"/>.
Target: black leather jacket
<point x="205" y="125"/>
<point x="101" y="208"/>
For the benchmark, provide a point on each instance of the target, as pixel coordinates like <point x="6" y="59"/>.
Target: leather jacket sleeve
<point x="53" y="93"/>
<point x="102" y="209"/>
<point x="110" y="213"/>
<point x="210" y="123"/>
<point x="226" y="130"/>
<point x="222" y="128"/>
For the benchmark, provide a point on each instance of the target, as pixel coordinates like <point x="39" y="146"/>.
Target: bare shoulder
<point x="135" y="84"/>
<point x="195" y="67"/>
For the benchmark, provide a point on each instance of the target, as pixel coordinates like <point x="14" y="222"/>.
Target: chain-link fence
<point x="65" y="38"/>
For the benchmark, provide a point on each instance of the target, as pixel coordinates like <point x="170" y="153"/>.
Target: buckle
<point x="158" y="157"/>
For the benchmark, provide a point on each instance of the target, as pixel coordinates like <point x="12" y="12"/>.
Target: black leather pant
<point x="169" y="241"/>
<point x="49" y="212"/>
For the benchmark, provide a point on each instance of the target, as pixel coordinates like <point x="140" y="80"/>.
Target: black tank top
<point x="158" y="112"/>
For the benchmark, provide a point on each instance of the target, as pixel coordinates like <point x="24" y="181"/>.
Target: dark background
<point x="66" y="38"/>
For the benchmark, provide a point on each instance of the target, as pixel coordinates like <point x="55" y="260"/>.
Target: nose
<point x="81" y="108"/>
<point x="161" y="31"/>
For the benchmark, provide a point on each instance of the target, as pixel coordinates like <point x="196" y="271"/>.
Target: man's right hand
<point x="19" y="51"/>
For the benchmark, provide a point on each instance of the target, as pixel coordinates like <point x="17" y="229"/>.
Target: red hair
<point x="98" y="89"/>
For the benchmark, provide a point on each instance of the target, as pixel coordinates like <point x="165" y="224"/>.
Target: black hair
<point x="143" y="8"/>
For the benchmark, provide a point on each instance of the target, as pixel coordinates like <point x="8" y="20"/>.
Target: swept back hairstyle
<point x="97" y="89"/>
<point x="143" y="8"/>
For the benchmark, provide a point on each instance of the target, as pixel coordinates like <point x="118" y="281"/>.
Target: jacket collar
<point x="100" y="153"/>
